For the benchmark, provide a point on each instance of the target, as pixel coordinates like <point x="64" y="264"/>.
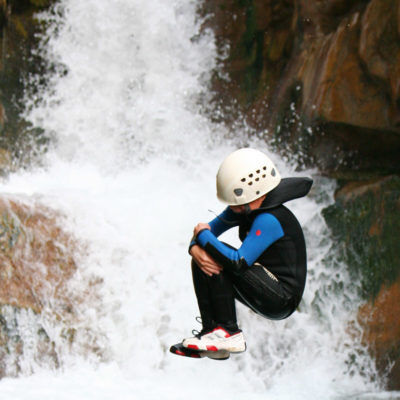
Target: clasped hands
<point x="205" y="262"/>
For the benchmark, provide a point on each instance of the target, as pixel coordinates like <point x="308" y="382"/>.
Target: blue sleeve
<point x="226" y="220"/>
<point x="264" y="231"/>
<point x="220" y="224"/>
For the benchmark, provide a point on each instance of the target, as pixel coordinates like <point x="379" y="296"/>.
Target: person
<point x="267" y="273"/>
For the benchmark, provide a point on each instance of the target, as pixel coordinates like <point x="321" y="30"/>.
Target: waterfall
<point x="131" y="167"/>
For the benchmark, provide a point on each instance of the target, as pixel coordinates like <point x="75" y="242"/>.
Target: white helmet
<point x="245" y="175"/>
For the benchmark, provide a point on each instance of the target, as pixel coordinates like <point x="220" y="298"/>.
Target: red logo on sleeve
<point x="258" y="232"/>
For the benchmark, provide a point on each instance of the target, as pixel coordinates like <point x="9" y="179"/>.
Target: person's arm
<point x="224" y="221"/>
<point x="265" y="230"/>
<point x="220" y="224"/>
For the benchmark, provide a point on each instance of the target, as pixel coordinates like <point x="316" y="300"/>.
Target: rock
<point x="381" y="325"/>
<point x="19" y="37"/>
<point x="365" y="223"/>
<point x="321" y="77"/>
<point x="364" y="220"/>
<point x="349" y="92"/>
<point x="39" y="314"/>
<point x="36" y="256"/>
<point x="3" y="116"/>
<point x="351" y="76"/>
<point x="4" y="14"/>
<point x="5" y="162"/>
<point x="379" y="48"/>
<point x="255" y="40"/>
<point x="334" y="84"/>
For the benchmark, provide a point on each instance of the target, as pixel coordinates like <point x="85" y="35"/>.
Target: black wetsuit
<point x="267" y="273"/>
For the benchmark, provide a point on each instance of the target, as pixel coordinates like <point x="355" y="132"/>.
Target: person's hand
<point x="199" y="227"/>
<point x="204" y="261"/>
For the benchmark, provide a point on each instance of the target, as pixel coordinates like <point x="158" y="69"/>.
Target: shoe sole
<point x="194" y="347"/>
<point x="218" y="355"/>
<point x="180" y="350"/>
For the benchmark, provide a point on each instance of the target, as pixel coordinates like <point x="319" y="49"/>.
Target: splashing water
<point x="132" y="167"/>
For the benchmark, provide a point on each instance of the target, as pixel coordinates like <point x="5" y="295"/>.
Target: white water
<point x="133" y="169"/>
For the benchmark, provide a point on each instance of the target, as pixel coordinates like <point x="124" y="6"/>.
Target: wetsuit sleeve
<point x="220" y="224"/>
<point x="192" y="243"/>
<point x="226" y="220"/>
<point x="264" y="231"/>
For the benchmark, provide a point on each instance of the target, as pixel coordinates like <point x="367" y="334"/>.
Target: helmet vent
<point x="250" y="183"/>
<point x="243" y="179"/>
<point x="273" y="172"/>
<point x="257" y="179"/>
<point x="264" y="175"/>
<point x="258" y="192"/>
<point x="264" y="168"/>
<point x="251" y="175"/>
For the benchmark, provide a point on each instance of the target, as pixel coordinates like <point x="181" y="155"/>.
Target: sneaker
<point x="216" y="340"/>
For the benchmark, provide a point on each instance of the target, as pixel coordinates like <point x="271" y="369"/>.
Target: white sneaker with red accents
<point x="217" y="340"/>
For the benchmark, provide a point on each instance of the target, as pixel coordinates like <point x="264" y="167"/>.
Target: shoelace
<point x="197" y="333"/>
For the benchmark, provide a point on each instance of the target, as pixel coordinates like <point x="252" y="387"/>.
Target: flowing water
<point x="131" y="168"/>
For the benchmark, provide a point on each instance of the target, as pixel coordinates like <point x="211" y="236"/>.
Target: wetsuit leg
<point x="263" y="293"/>
<point x="216" y="299"/>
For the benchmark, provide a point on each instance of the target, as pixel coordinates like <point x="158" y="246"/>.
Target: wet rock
<point x="255" y="40"/>
<point x="379" y="48"/>
<point x="36" y="256"/>
<point x="321" y="78"/>
<point x="335" y="87"/>
<point x="40" y="312"/>
<point x="36" y="263"/>
<point x="19" y="37"/>
<point x="349" y="81"/>
<point x="5" y="161"/>
<point x="381" y="323"/>
<point x="365" y="221"/>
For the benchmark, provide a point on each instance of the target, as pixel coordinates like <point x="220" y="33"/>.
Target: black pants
<point x="256" y="288"/>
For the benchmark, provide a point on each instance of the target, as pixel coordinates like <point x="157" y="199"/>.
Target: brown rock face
<point x="36" y="257"/>
<point x="379" y="49"/>
<point x="19" y="37"/>
<point x="255" y="39"/>
<point x="332" y="66"/>
<point x="381" y="322"/>
<point x="350" y="80"/>
<point x="334" y="84"/>
<point x="37" y="264"/>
